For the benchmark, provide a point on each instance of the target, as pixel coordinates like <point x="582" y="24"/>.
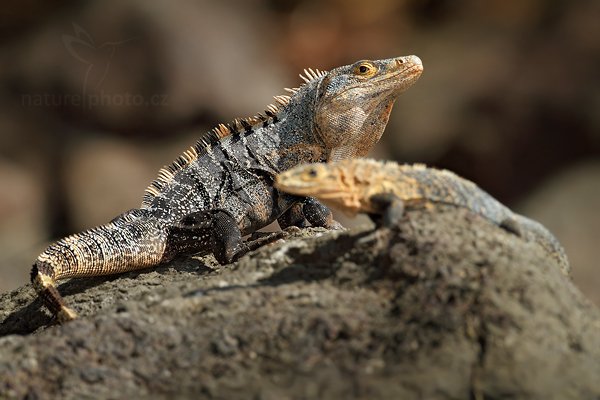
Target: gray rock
<point x="448" y="306"/>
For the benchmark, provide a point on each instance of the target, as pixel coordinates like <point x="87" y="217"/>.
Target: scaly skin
<point x="222" y="188"/>
<point x="385" y="189"/>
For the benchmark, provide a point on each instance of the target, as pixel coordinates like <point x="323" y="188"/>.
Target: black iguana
<point x="384" y="189"/>
<point x="222" y="188"/>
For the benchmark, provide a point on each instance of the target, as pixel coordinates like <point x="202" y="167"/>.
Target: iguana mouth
<point x="416" y="69"/>
<point x="407" y="74"/>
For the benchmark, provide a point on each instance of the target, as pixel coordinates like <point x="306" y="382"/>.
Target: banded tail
<point x="131" y="241"/>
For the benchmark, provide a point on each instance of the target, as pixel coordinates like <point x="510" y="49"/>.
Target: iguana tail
<point x="131" y="241"/>
<point x="538" y="233"/>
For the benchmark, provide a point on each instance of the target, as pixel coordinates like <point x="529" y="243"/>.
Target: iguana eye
<point x="365" y="68"/>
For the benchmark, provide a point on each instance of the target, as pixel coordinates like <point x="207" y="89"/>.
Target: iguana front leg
<point x="308" y="211"/>
<point x="294" y="216"/>
<point x="318" y="214"/>
<point x="389" y="209"/>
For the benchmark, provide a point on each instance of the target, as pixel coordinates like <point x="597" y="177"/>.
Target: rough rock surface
<point x="449" y="306"/>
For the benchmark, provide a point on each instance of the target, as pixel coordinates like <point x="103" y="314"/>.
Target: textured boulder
<point x="448" y="306"/>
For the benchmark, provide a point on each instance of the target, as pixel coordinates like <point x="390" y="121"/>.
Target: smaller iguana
<point x="384" y="189"/>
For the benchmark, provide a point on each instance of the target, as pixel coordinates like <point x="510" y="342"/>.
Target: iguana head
<point x="330" y="183"/>
<point x="354" y="103"/>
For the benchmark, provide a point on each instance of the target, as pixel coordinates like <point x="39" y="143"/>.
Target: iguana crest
<point x="221" y="131"/>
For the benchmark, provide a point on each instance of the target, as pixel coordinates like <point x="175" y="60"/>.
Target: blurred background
<point x="96" y="96"/>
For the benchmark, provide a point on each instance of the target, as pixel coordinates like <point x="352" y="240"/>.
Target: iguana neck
<point x="295" y="126"/>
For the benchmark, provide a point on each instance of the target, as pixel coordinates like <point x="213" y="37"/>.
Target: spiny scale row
<point x="212" y="137"/>
<point x="310" y="74"/>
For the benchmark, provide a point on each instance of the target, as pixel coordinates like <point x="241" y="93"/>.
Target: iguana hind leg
<point x="203" y="232"/>
<point x="217" y="229"/>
